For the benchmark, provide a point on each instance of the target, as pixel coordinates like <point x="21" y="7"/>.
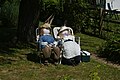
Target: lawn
<point x="23" y="64"/>
<point x="90" y="43"/>
<point x="20" y="67"/>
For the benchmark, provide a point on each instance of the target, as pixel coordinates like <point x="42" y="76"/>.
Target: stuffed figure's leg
<point x="46" y="53"/>
<point x="56" y="53"/>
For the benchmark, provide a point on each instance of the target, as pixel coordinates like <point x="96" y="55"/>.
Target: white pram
<point x="71" y="44"/>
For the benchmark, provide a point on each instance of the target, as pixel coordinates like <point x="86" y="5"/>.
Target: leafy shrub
<point x="111" y="51"/>
<point x="9" y="12"/>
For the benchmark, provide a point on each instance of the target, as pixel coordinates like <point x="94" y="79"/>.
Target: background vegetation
<point x="9" y="11"/>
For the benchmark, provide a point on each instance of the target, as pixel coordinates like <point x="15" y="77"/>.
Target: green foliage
<point x="110" y="30"/>
<point x="75" y="14"/>
<point x="9" y="12"/>
<point x="48" y="7"/>
<point x="94" y="73"/>
<point x="66" y="77"/>
<point x="52" y="1"/>
<point x="110" y="50"/>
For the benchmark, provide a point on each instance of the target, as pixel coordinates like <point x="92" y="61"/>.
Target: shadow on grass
<point x="6" y="40"/>
<point x="6" y="50"/>
<point x="5" y="61"/>
<point x="33" y="57"/>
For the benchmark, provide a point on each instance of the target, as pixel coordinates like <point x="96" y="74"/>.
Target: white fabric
<point x="115" y="4"/>
<point x="46" y="31"/>
<point x="44" y="43"/>
<point x="85" y="53"/>
<point x="37" y="37"/>
<point x="69" y="37"/>
<point x="55" y="43"/>
<point x="55" y="31"/>
<point x="71" y="49"/>
<point x="63" y="28"/>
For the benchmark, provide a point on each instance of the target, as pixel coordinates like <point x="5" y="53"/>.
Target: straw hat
<point x="63" y="28"/>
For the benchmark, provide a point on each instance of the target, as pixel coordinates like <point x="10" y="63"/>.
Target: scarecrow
<point x="71" y="53"/>
<point x="48" y="42"/>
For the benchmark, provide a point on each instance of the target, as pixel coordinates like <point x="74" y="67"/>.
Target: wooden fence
<point x="103" y="16"/>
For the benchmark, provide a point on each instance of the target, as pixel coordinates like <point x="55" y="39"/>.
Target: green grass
<point x="22" y="64"/>
<point x="90" y="43"/>
<point x="21" y="68"/>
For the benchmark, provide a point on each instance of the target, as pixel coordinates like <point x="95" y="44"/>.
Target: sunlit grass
<point x="90" y="43"/>
<point x="27" y="70"/>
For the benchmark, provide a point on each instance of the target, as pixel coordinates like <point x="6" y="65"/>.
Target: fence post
<point x="101" y="20"/>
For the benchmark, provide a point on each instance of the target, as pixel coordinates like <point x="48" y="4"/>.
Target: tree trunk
<point x="28" y="18"/>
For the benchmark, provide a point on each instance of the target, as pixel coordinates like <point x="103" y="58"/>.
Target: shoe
<point x="46" y="63"/>
<point x="56" y="63"/>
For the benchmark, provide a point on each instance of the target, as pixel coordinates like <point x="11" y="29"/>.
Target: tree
<point x="28" y="18"/>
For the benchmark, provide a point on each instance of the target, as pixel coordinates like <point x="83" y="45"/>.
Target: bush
<point x="111" y="51"/>
<point x="9" y="12"/>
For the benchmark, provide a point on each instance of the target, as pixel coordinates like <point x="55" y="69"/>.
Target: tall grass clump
<point x="94" y="73"/>
<point x="110" y="50"/>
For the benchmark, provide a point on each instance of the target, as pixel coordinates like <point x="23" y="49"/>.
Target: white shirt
<point x="71" y="48"/>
